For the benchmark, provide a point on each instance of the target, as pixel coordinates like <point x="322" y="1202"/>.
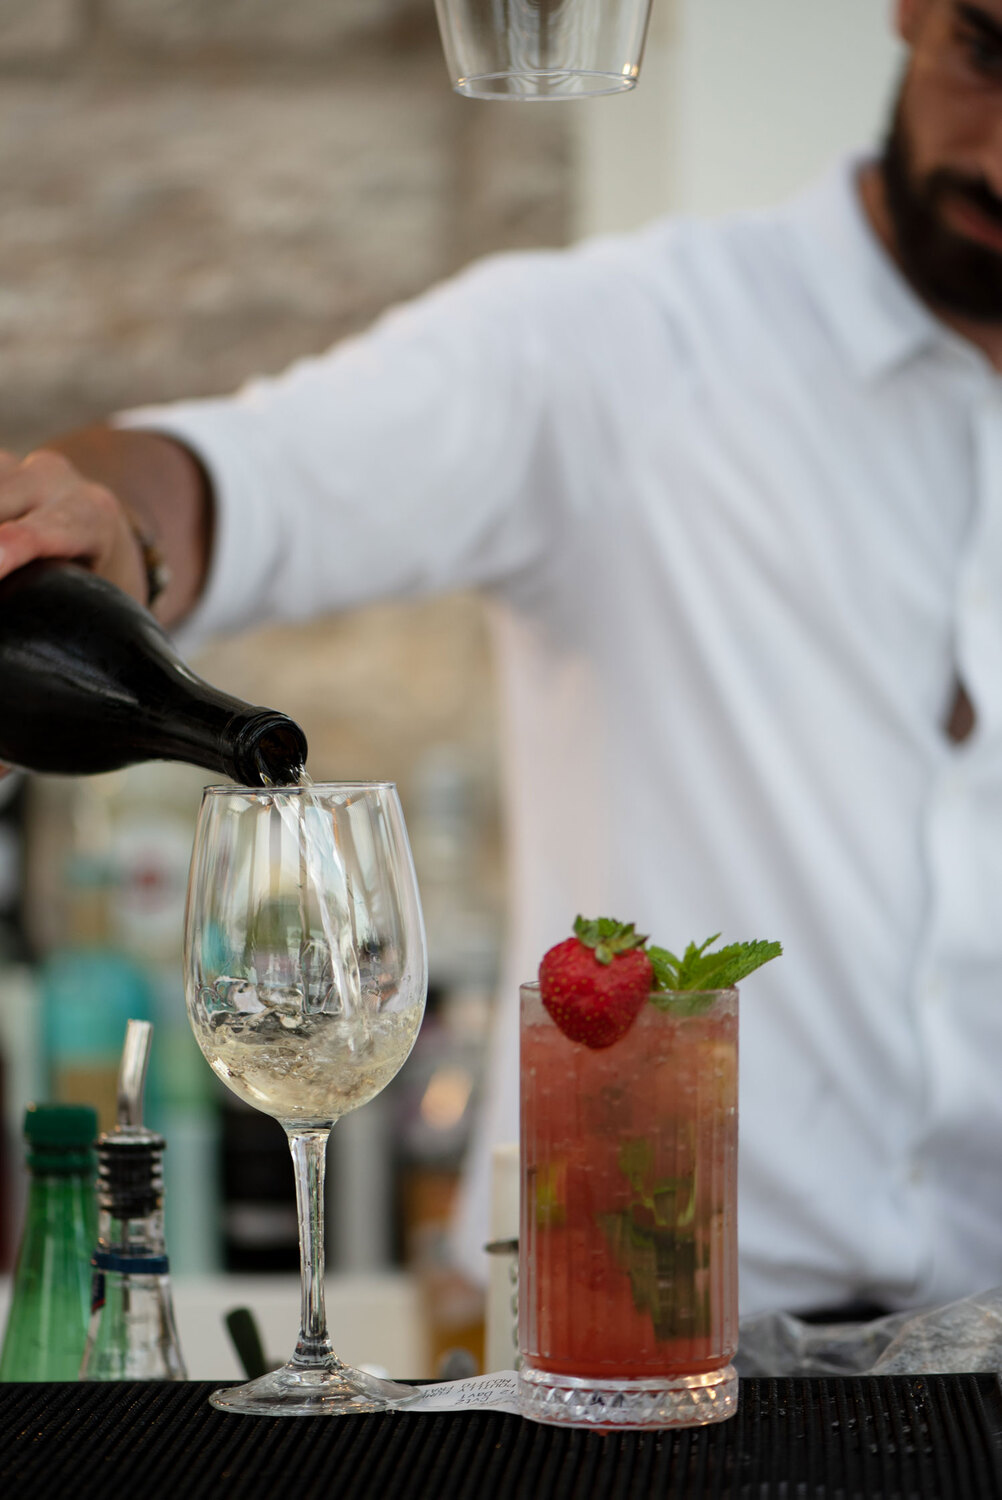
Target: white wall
<point x="739" y="103"/>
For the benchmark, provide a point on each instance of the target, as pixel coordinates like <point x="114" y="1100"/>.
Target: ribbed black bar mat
<point x="896" y="1438"/>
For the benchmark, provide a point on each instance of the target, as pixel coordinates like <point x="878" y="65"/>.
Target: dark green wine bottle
<point x="51" y="1296"/>
<point x="90" y="682"/>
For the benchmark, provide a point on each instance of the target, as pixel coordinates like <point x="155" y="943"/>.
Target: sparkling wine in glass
<point x="305" y="977"/>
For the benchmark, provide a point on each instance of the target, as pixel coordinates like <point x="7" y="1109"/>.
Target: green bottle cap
<point x="60" y="1125"/>
<point x="60" y="1139"/>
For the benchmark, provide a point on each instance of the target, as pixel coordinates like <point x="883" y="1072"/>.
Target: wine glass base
<point x="330" y="1390"/>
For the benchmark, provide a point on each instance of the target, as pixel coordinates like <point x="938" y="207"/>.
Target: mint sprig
<point x="698" y="969"/>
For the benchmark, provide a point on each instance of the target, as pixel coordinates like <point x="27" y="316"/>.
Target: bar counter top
<point x="876" y="1438"/>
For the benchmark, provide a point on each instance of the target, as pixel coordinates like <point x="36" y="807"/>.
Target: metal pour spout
<point x="132" y="1074"/>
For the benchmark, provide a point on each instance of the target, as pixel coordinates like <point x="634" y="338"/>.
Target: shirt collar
<point x="870" y="306"/>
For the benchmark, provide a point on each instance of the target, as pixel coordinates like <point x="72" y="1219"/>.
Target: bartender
<point x="734" y="493"/>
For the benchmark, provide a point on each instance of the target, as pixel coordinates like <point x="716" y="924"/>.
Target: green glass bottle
<point x="50" y="1300"/>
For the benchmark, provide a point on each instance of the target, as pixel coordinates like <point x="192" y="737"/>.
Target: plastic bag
<point x="959" y="1338"/>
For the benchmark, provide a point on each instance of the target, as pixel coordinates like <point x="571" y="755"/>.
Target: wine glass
<point x="305" y="977"/>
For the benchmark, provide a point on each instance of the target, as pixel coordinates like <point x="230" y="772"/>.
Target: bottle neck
<point x="60" y="1206"/>
<point x="253" y="746"/>
<point x="132" y="1334"/>
<point x="63" y="1164"/>
<point x="97" y="685"/>
<point x="132" y="1246"/>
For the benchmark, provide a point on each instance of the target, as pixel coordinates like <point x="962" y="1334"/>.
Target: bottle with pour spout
<point x="90" y="682"/>
<point x="132" y="1333"/>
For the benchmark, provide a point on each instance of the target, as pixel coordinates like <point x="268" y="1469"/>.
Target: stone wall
<point x="192" y="191"/>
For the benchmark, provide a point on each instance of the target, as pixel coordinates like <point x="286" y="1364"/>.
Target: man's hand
<point x="89" y="494"/>
<point x="49" y="509"/>
<point x="83" y="498"/>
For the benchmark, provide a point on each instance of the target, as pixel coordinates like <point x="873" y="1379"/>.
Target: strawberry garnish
<point x="594" y="984"/>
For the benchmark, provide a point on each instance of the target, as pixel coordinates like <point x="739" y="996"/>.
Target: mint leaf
<point x="661" y="1245"/>
<point x="665" y="966"/>
<point x="664" y="1266"/>
<point x="700" y="970"/>
<point x="636" y="1161"/>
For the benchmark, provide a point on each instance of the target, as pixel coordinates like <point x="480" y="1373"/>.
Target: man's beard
<point x="948" y="271"/>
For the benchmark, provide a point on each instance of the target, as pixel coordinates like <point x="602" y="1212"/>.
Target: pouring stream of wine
<point x="322" y="871"/>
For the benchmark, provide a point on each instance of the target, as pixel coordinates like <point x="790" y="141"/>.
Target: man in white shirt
<point x="735" y="493"/>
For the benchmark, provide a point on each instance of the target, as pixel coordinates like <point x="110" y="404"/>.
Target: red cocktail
<point x="628" y="1259"/>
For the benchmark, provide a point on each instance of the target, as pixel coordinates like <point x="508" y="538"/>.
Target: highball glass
<point x="628" y="1239"/>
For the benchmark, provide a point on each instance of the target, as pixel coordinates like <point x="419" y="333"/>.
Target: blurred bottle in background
<point x="150" y="818"/>
<point x="50" y="1300"/>
<point x="438" y="1092"/>
<point x="89" y="988"/>
<point x="14" y="947"/>
<point x="109" y="868"/>
<point x="132" y="1334"/>
<point x="260" y="1229"/>
<point x="20" y="1061"/>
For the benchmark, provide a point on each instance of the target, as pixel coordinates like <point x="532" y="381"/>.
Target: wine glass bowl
<point x="305" y="979"/>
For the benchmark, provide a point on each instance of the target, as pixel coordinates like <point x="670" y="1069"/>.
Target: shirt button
<point x="932" y="988"/>
<point x="916" y="1174"/>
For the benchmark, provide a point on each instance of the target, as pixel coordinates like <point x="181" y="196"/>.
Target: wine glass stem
<point x="309" y="1159"/>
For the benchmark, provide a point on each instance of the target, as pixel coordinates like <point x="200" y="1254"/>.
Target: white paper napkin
<point x="495" y="1392"/>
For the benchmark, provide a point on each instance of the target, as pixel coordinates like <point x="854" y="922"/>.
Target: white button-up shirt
<point x="737" y="500"/>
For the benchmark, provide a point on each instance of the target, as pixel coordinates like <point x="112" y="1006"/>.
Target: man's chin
<point x="955" y="276"/>
<point x="966" y="305"/>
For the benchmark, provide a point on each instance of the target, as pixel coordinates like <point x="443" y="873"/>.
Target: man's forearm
<point x="164" y="487"/>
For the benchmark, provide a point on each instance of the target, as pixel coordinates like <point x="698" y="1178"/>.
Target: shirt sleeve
<point x="422" y="456"/>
